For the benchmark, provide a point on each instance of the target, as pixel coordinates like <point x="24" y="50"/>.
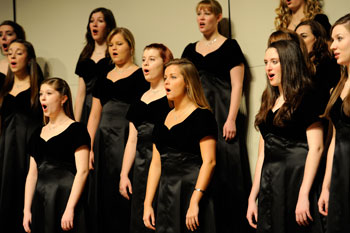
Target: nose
<point x="332" y="47"/>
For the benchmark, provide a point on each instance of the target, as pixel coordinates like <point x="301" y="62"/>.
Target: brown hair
<point x="90" y="43"/>
<point x="345" y="21"/>
<point x="62" y="87"/>
<point x="164" y="51"/>
<point x="32" y="69"/>
<point x="192" y="81"/>
<point x="295" y="81"/>
<point x="212" y="5"/>
<point x="286" y="34"/>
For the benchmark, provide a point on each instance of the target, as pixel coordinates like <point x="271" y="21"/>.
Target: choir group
<point x="162" y="147"/>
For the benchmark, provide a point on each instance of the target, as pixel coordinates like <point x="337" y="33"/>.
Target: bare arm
<point x="29" y="193"/>
<point x="155" y="170"/>
<point x="252" y="207"/>
<point x="314" y="135"/>
<point x="79" y="99"/>
<point x="237" y="76"/>
<point x="324" y="197"/>
<point x="82" y="166"/>
<point x="94" y="120"/>
<point x="128" y="160"/>
<point x="208" y="152"/>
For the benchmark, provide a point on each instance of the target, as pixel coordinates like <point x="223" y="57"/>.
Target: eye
<point x="120" y="43"/>
<point x="274" y="62"/>
<point x="110" y="45"/>
<point x="265" y="62"/>
<point x="173" y="77"/>
<point x="339" y="38"/>
<point x="152" y="59"/>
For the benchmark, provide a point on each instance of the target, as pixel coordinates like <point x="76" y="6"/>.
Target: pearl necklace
<point x="211" y="42"/>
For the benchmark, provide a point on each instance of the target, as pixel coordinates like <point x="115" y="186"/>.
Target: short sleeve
<point x="310" y="109"/>
<point x="96" y="91"/>
<point x="81" y="137"/>
<point x="133" y="113"/>
<point x="79" y="68"/>
<point x="236" y="54"/>
<point x="206" y="125"/>
<point x="33" y="142"/>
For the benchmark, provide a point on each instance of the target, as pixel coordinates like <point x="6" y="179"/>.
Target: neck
<point x="182" y="103"/>
<point x="211" y="36"/>
<point x="280" y="89"/>
<point x="100" y="46"/>
<point x="298" y="14"/>
<point x="21" y="76"/>
<point x="58" y="118"/>
<point x="124" y="66"/>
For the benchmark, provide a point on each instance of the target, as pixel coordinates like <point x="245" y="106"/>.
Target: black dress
<point x="181" y="160"/>
<point x="232" y="173"/>
<point x="90" y="71"/>
<point x="18" y="121"/>
<point x="282" y="173"/>
<point x="110" y="211"/>
<point x="143" y="116"/>
<point x="327" y="77"/>
<point x="55" y="159"/>
<point x="338" y="219"/>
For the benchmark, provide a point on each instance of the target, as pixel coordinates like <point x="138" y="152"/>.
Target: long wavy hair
<point x="32" y="69"/>
<point x="286" y="34"/>
<point x="191" y="76"/>
<point x="345" y="21"/>
<point x="295" y="82"/>
<point x="320" y="50"/>
<point x="90" y="42"/>
<point x="62" y="87"/>
<point x="284" y="14"/>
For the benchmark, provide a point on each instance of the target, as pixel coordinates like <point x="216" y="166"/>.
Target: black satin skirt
<point x="110" y="212"/>
<point x="86" y="108"/>
<point x="177" y="182"/>
<point x="281" y="178"/>
<point x="338" y="219"/>
<point x="14" y="163"/>
<point x="50" y="199"/>
<point x="232" y="180"/>
<point x="142" y="162"/>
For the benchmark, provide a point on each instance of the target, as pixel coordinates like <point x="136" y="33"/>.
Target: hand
<point x="192" y="217"/>
<point x="252" y="214"/>
<point x="302" y="211"/>
<point x="323" y="202"/>
<point x="148" y="217"/>
<point x="27" y="220"/>
<point x="91" y="160"/>
<point x="67" y="219"/>
<point x="229" y="130"/>
<point x="125" y="186"/>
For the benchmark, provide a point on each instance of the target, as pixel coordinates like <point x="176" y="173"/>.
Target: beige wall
<point x="57" y="30"/>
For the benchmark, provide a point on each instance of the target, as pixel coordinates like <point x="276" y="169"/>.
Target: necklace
<point x="211" y="42"/>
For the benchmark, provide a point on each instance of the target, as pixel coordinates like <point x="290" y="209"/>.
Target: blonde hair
<point x="191" y="77"/>
<point x="284" y="14"/>
<point x="127" y="35"/>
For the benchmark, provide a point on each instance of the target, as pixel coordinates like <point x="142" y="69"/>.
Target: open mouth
<point x="94" y="31"/>
<point x="288" y="2"/>
<point x="201" y="24"/>
<point x="115" y="53"/>
<point x="13" y="63"/>
<point x="271" y="76"/>
<point x="44" y="106"/>
<point x="167" y="90"/>
<point x="146" y="71"/>
<point x="5" y="47"/>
